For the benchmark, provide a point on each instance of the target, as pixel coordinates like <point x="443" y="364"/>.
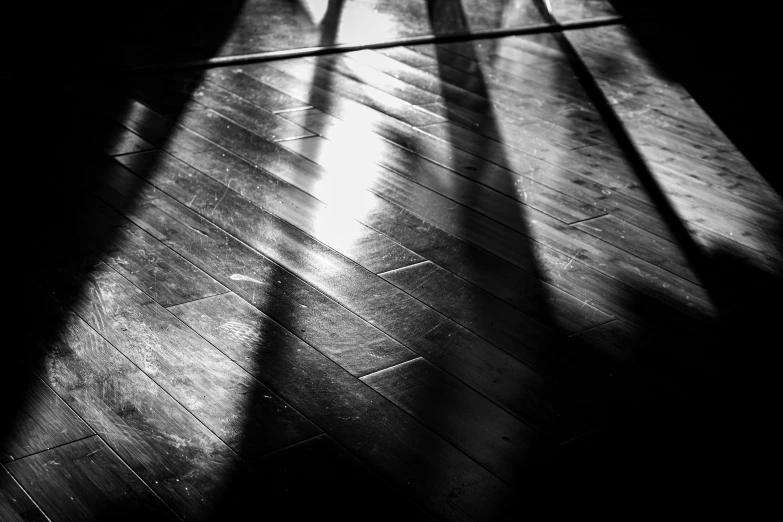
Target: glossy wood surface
<point x="496" y="279"/>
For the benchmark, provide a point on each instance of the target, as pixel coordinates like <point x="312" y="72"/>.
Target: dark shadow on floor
<point x="688" y="424"/>
<point x="725" y="57"/>
<point x="63" y="121"/>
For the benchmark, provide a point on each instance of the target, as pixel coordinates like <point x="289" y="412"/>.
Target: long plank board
<point x="483" y="269"/>
<point x="335" y="331"/>
<point x="15" y="504"/>
<point x="388" y="440"/>
<point x="85" y="480"/>
<point x="197" y="375"/>
<point x="601" y="288"/>
<point x="185" y="463"/>
<point x="394" y="312"/>
<point x="352" y="90"/>
<point x="505" y="446"/>
<point x="532" y="179"/>
<point x="44" y="422"/>
<point x="421" y="143"/>
<point x="539" y="235"/>
<point x="153" y="267"/>
<point x="494" y="320"/>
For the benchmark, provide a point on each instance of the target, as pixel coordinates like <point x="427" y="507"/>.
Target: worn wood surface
<point x="85" y="480"/>
<point x="481" y="280"/>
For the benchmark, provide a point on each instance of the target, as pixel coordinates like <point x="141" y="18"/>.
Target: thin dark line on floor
<point x="93" y="434"/>
<point x="591" y="218"/>
<point x="268" y="56"/>
<point x="197" y="299"/>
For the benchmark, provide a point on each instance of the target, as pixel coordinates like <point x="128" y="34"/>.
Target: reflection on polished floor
<point x="486" y="279"/>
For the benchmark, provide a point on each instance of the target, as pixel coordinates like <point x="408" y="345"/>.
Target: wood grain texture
<point x="481" y="184"/>
<point x="388" y="440"/>
<point x="184" y="462"/>
<point x="509" y="329"/>
<point x="44" y="422"/>
<point x="587" y="293"/>
<point x="494" y="279"/>
<point x="85" y="480"/>
<point x="15" y="504"/>
<point x="191" y="370"/>
<point x="154" y="268"/>
<point x="406" y="320"/>
<point x="494" y="171"/>
<point x="496" y="440"/>
<point x="332" y="329"/>
<point x="337" y="87"/>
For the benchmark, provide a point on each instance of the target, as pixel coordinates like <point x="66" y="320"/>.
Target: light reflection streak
<point x="360" y="21"/>
<point x="351" y="169"/>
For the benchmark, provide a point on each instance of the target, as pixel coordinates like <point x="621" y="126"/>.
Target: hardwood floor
<point x="480" y="280"/>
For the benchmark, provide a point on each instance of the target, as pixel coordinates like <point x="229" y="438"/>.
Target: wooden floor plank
<point x="464" y="222"/>
<point x="403" y="318"/>
<point x="496" y="440"/>
<point x="428" y="282"/>
<point x="482" y="239"/>
<point x="196" y="374"/>
<point x="263" y="95"/>
<point x="724" y="169"/>
<point x="395" y="222"/>
<point x="492" y="319"/>
<point x="564" y="262"/>
<point x="490" y="203"/>
<point x="342" y="87"/>
<point x="85" y="480"/>
<point x="482" y="174"/>
<point x="517" y="95"/>
<point x="499" y="67"/>
<point x="394" y="445"/>
<point x="15" y="504"/>
<point x="120" y="140"/>
<point x="345" y="338"/>
<point x="466" y="104"/>
<point x="359" y="72"/>
<point x="186" y="464"/>
<point x="658" y="251"/>
<point x="321" y="478"/>
<point x="168" y="94"/>
<point x="264" y="123"/>
<point x="249" y="177"/>
<point x="154" y="268"/>
<point x="420" y="143"/>
<point x="536" y="175"/>
<point x="44" y="422"/>
<point x="700" y="203"/>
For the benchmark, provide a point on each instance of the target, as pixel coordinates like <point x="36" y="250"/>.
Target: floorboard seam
<point x="397" y="366"/>
<point x="387" y="272"/>
<point x="27" y="493"/>
<point x="169" y="307"/>
<point x="133" y="152"/>
<point x="594" y="327"/>
<point x="94" y="434"/>
<point x="587" y="219"/>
